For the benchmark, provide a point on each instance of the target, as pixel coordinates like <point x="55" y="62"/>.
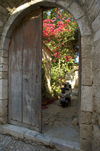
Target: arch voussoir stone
<point x="76" y="10"/>
<point x="64" y="4"/>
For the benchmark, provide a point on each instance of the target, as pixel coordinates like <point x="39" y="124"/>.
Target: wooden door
<point x="25" y="60"/>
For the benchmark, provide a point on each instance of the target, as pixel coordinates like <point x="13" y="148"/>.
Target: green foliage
<point x="55" y="81"/>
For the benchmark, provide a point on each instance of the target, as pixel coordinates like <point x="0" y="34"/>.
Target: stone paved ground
<point x="8" y="143"/>
<point x="57" y="116"/>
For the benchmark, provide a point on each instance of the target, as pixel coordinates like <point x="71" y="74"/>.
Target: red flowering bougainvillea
<point x="61" y="36"/>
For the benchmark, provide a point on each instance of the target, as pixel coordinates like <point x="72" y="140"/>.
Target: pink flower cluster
<point x="51" y="32"/>
<point x="67" y="58"/>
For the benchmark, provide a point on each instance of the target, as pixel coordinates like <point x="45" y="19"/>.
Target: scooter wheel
<point x="63" y="104"/>
<point x="67" y="102"/>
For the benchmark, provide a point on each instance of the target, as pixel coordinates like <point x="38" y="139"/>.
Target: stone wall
<point x="87" y="14"/>
<point x="73" y="77"/>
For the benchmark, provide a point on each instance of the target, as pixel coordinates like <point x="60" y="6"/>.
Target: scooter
<point x="66" y="94"/>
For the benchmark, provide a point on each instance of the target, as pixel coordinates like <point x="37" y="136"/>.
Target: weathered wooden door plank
<point x="32" y="75"/>
<point x="38" y="62"/>
<point x="28" y="59"/>
<point x="15" y="76"/>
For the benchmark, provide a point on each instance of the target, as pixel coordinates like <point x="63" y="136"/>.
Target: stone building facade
<point x="73" y="77"/>
<point x="87" y="15"/>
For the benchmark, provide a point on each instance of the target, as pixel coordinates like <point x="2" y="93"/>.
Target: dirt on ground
<point x="54" y="115"/>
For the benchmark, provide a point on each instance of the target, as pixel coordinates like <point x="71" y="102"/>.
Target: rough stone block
<point x="3" y="10"/>
<point x="96" y="35"/>
<point x="64" y="3"/>
<point x="64" y="145"/>
<point x="89" y="3"/>
<point x="43" y="138"/>
<point x="97" y="105"/>
<point x="47" y="3"/>
<point x="86" y="118"/>
<point x="86" y="99"/>
<point x="86" y="40"/>
<point x="13" y="130"/>
<point x="86" y="51"/>
<point x="82" y="2"/>
<point x="3" y="17"/>
<point x="96" y="91"/>
<point x="96" y="135"/>
<point x="8" y="32"/>
<point x="95" y="23"/>
<point x="3" y="120"/>
<point x="86" y="71"/>
<point x="95" y="48"/>
<point x="4" y="4"/>
<point x="3" y="60"/>
<point x="99" y="120"/>
<point x="35" y="136"/>
<point x="4" y="53"/>
<point x="30" y="134"/>
<point x="86" y="145"/>
<point x="3" y="89"/>
<point x="86" y="46"/>
<point x="84" y="26"/>
<point x="3" y="67"/>
<point x="3" y="75"/>
<point x="96" y="119"/>
<point x="93" y="11"/>
<point x="96" y="61"/>
<point x="86" y="131"/>
<point x="77" y="12"/>
<point x="1" y="23"/>
<point x="94" y="146"/>
<point x="1" y="29"/>
<point x="3" y="111"/>
<point x="6" y="43"/>
<point x="6" y="29"/>
<point x="3" y="103"/>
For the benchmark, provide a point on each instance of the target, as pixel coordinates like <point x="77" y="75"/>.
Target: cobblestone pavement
<point x="8" y="143"/>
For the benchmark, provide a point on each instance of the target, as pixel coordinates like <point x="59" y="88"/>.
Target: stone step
<point x="24" y="133"/>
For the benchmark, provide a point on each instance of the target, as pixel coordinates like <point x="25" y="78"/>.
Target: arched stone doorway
<point x="85" y="29"/>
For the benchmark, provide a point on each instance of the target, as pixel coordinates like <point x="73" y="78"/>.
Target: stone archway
<point x="85" y="29"/>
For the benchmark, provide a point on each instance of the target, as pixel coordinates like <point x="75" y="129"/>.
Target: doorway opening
<point x="25" y="58"/>
<point x="60" y="65"/>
